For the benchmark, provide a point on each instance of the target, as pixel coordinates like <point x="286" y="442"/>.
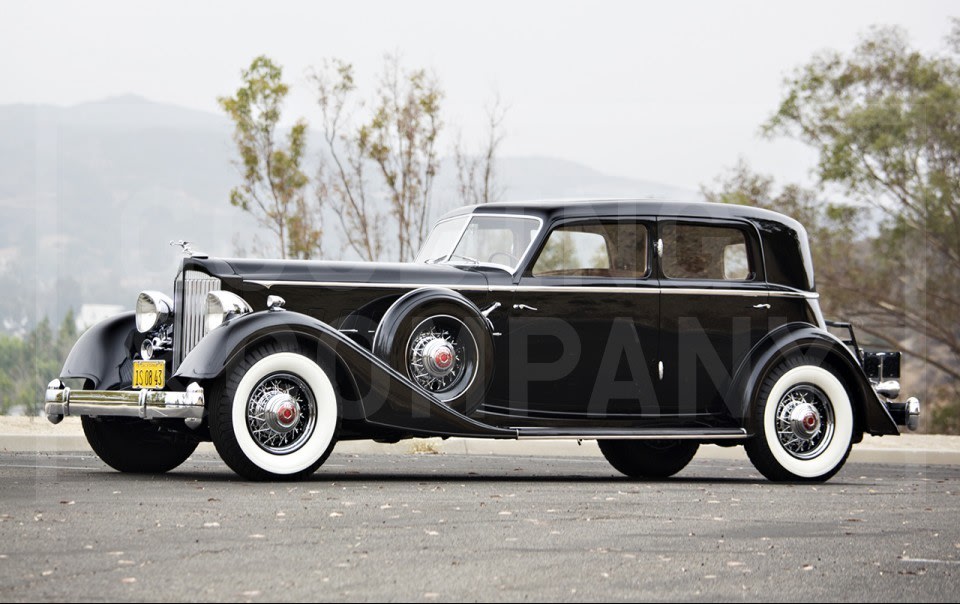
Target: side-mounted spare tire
<point x="442" y="343"/>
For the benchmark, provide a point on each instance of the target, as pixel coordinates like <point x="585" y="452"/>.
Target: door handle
<point x="523" y="307"/>
<point x="761" y="306"/>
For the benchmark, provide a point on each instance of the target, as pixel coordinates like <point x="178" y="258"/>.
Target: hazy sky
<point x="665" y="91"/>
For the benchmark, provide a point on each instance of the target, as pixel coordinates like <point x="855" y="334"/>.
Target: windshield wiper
<point x="451" y="256"/>
<point x="467" y="258"/>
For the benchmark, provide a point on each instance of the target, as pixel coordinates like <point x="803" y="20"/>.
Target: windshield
<point x="487" y="239"/>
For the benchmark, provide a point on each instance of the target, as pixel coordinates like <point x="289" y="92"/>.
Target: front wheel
<point x="804" y="422"/>
<point x="276" y="416"/>
<point x="136" y="446"/>
<point x="649" y="458"/>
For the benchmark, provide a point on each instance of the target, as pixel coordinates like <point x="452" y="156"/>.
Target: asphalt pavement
<point x="438" y="527"/>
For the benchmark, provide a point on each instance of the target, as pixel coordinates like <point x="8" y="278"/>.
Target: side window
<point x="602" y="249"/>
<point x="705" y="252"/>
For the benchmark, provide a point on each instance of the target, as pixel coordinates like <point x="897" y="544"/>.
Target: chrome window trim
<point x="463" y="230"/>
<point x="520" y="259"/>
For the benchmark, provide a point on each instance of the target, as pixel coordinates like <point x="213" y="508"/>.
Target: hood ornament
<point x="184" y="247"/>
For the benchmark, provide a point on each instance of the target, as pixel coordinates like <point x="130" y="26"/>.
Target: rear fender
<point x="820" y="346"/>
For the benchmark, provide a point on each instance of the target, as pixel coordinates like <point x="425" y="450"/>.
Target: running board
<point x="632" y="434"/>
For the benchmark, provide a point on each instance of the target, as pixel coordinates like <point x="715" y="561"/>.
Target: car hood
<point x="310" y="271"/>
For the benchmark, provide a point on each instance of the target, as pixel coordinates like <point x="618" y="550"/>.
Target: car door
<point x="583" y="323"/>
<point x="713" y="311"/>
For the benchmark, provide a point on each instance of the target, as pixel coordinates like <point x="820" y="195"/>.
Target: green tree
<point x="274" y="185"/>
<point x="885" y="123"/>
<point x="27" y="364"/>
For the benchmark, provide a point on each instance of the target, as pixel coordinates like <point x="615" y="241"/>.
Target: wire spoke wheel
<point x="281" y="413"/>
<point x="276" y="415"/>
<point x="804" y="421"/>
<point x="441" y="356"/>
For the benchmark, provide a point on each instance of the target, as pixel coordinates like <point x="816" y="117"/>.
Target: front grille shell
<point x="189" y="299"/>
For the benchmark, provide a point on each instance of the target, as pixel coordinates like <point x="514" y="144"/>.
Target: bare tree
<point x="476" y="174"/>
<point x="398" y="139"/>
<point x="401" y="140"/>
<point x="342" y="183"/>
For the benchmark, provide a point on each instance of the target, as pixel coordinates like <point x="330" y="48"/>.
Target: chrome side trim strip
<point x="544" y="288"/>
<point x="367" y="284"/>
<point x="738" y="434"/>
<point x="706" y="291"/>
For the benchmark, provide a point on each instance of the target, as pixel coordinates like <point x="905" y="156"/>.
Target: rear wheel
<point x="804" y="422"/>
<point x="649" y="458"/>
<point x="135" y="445"/>
<point x="276" y="415"/>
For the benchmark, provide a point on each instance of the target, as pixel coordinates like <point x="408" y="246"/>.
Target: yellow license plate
<point x="149" y="374"/>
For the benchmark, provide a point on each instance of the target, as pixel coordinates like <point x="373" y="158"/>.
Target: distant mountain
<point x="90" y="196"/>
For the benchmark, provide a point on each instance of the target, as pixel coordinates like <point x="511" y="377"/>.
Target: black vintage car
<point x="650" y="327"/>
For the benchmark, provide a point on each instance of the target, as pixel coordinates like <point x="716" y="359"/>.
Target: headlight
<point x="153" y="309"/>
<point x="221" y="306"/>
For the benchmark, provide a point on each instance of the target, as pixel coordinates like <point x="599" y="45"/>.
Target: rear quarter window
<point x="706" y="252"/>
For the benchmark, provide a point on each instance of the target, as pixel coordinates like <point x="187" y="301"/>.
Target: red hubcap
<point x="443" y="358"/>
<point x="809" y="421"/>
<point x="287" y="414"/>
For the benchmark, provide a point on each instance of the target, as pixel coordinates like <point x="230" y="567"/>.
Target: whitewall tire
<point x="804" y="422"/>
<point x="277" y="416"/>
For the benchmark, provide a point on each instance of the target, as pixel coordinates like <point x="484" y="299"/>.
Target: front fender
<point x="819" y="345"/>
<point x="382" y="397"/>
<point x="387" y="329"/>
<point x="102" y="353"/>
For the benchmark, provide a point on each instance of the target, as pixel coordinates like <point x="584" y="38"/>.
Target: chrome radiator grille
<point x="189" y="298"/>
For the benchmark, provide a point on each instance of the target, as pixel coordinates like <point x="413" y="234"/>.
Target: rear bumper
<point x="906" y="413"/>
<point x="61" y="401"/>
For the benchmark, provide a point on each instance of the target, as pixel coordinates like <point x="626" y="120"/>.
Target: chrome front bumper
<point x="61" y="401"/>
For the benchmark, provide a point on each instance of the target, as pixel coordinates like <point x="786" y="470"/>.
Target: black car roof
<point x="786" y="250"/>
<point x="575" y="208"/>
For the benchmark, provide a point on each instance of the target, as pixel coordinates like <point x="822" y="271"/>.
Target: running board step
<point x="632" y="434"/>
